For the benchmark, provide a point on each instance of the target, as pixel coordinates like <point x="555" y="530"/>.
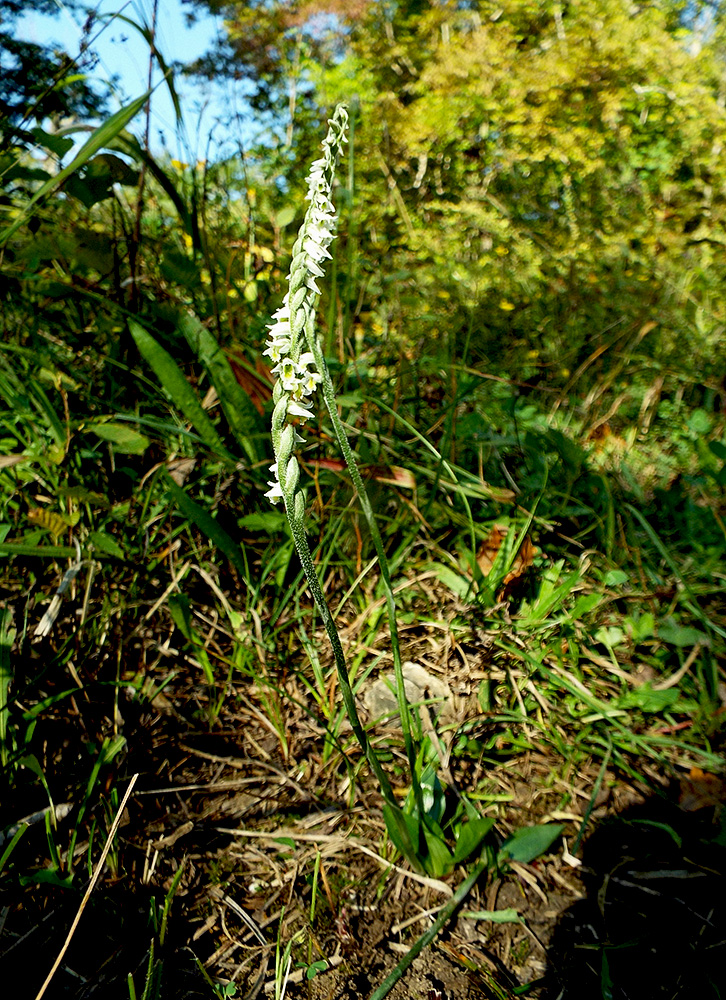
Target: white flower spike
<point x="293" y="322"/>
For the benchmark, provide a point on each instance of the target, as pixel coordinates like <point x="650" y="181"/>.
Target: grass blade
<point x="7" y="636"/>
<point x="100" y="138"/>
<point x="206" y="524"/>
<point x="241" y="415"/>
<point x="173" y="381"/>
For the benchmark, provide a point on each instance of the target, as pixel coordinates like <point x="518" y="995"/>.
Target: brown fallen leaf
<point x="700" y="790"/>
<point x="489" y="550"/>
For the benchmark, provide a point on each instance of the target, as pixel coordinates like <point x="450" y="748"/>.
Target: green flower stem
<point x="404" y="710"/>
<point x="305" y="556"/>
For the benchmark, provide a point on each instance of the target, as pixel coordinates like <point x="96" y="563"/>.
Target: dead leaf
<point x="700" y="790"/>
<point x="489" y="550"/>
<point x="258" y="386"/>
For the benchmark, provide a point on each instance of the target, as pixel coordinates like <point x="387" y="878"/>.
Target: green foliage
<point x="39" y="82"/>
<point x="523" y="331"/>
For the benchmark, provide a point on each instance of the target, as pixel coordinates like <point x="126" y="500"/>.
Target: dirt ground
<point x="263" y="841"/>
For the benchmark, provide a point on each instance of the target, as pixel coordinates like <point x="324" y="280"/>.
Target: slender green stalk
<point x="300" y="372"/>
<point x="303" y="551"/>
<point x="403" y="707"/>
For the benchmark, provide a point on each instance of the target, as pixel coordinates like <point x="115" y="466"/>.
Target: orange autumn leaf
<point x="395" y="475"/>
<point x="489" y="550"/>
<point x="257" y="386"/>
<point x="700" y="789"/>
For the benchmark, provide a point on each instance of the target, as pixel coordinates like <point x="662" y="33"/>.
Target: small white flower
<point x="315" y="244"/>
<point x="277" y="349"/>
<point x="275" y="494"/>
<point x="287" y="370"/>
<point x="302" y="409"/>
<point x="314" y="268"/>
<point x="310" y="382"/>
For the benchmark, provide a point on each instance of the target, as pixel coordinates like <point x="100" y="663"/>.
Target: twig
<point x="89" y="890"/>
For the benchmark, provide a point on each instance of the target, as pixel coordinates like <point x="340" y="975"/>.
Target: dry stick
<point x="89" y="890"/>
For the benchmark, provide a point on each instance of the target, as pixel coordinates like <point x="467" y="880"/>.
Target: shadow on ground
<point x="653" y="923"/>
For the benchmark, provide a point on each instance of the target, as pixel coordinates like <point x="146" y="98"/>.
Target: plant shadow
<point x="653" y="921"/>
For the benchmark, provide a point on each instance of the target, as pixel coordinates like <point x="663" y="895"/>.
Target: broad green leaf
<point x="583" y="605"/>
<point x="403" y="829"/>
<point x="57" y="144"/>
<point x="285" y="216"/>
<point x="609" y="636"/>
<point x="47" y="876"/>
<point x="648" y="700"/>
<point x="242" y="417"/>
<point x="439" y="860"/>
<point x="453" y="581"/>
<point x="181" y="393"/>
<point x="124" y="439"/>
<point x="270" y="521"/>
<point x="471" y="837"/>
<point x="681" y="635"/>
<point x="101" y="137"/>
<point x="312" y="970"/>
<point x="106" y="544"/>
<point x="527" y="843"/>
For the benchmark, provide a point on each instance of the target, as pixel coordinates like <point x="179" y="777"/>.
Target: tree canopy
<point x="546" y="171"/>
<point x="39" y="82"/>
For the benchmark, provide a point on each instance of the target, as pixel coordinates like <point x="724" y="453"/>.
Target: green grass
<point x="188" y="628"/>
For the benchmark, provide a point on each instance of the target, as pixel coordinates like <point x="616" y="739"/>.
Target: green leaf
<point x="57" y="144"/>
<point x="471" y="837"/>
<point x="526" y="844"/>
<point x="206" y="524"/>
<point x="403" y="829"/>
<point x="312" y="970"/>
<point x="101" y="137"/>
<point x="269" y="521"/>
<point x="44" y="551"/>
<point x="458" y="584"/>
<point x="47" y="876"/>
<point x="681" y="635"/>
<point x="11" y="846"/>
<point x="509" y="916"/>
<point x="106" y="544"/>
<point x="242" y="417"/>
<point x="648" y="700"/>
<point x="609" y="636"/>
<point x="438" y="860"/>
<point x="583" y="605"/>
<point x="124" y="439"/>
<point x="181" y="393"/>
<point x="285" y="216"/>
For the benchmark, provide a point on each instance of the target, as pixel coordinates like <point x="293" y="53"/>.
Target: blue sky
<point x="123" y="53"/>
